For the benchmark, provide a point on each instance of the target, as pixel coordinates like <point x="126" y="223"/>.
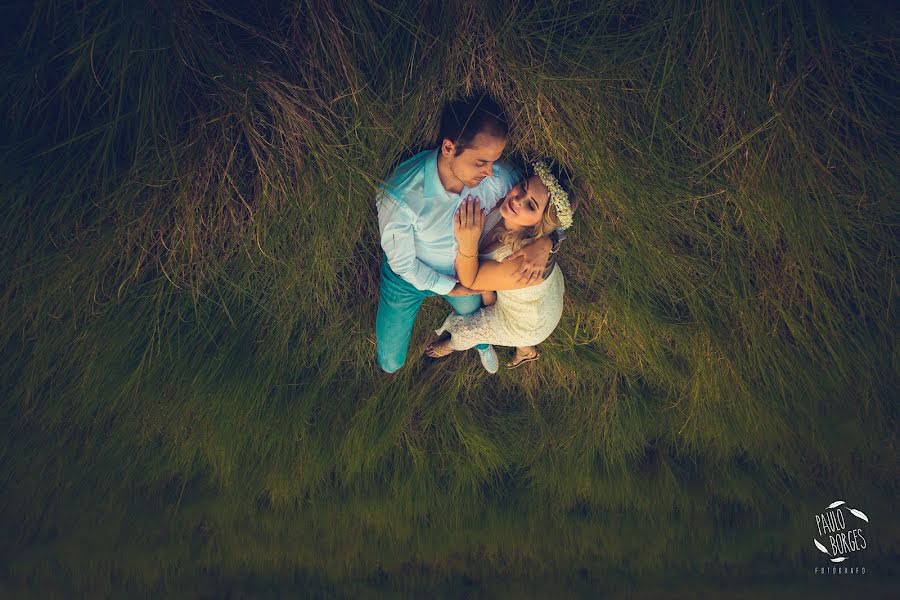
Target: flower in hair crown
<point x="558" y="196"/>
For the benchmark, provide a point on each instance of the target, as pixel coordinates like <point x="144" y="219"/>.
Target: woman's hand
<point x="467" y="225"/>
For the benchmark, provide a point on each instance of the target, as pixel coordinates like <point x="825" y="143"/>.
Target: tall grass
<point x="191" y="278"/>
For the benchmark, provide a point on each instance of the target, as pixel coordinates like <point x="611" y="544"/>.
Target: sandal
<point x="515" y="362"/>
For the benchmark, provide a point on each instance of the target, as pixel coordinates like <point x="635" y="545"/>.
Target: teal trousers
<point x="398" y="304"/>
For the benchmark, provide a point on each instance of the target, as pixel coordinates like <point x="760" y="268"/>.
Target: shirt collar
<point x="432" y="184"/>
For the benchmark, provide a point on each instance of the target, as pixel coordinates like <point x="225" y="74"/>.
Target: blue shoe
<point x="489" y="359"/>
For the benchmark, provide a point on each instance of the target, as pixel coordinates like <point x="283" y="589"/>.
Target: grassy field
<point x="190" y="278"/>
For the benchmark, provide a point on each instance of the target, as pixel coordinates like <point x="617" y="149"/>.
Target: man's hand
<point x="461" y="290"/>
<point x="535" y="256"/>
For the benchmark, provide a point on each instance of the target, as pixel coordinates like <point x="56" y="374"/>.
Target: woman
<point x="523" y="315"/>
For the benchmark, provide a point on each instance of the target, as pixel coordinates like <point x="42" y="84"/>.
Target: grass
<point x="191" y="278"/>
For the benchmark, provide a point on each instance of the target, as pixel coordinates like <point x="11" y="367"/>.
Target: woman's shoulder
<point x="491" y="252"/>
<point x="502" y="252"/>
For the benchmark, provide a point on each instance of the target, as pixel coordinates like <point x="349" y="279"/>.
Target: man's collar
<point x="432" y="182"/>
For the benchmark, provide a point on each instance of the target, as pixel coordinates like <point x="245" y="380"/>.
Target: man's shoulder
<point x="407" y="177"/>
<point x="506" y="172"/>
<point x="505" y="175"/>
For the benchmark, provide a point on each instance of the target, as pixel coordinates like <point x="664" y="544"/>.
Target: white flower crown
<point x="558" y="196"/>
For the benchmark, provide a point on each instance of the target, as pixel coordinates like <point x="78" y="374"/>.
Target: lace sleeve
<point x="501" y="253"/>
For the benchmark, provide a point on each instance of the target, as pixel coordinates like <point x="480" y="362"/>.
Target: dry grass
<point x="192" y="274"/>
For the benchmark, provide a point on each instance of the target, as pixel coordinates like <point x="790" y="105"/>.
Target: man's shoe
<point x="489" y="359"/>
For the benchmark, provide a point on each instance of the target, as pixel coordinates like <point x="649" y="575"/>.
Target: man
<point x="415" y="217"/>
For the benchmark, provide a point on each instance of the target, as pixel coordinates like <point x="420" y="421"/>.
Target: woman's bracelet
<point x="466" y="255"/>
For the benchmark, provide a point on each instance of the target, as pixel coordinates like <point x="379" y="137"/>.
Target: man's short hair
<point x="466" y="117"/>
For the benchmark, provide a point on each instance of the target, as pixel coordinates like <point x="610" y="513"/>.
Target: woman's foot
<point x="438" y="349"/>
<point x="523" y="355"/>
<point x="489" y="359"/>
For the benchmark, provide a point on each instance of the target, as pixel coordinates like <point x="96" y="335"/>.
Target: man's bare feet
<point x="438" y="349"/>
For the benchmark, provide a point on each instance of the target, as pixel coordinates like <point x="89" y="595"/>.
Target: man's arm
<point x="556" y="237"/>
<point x="395" y="223"/>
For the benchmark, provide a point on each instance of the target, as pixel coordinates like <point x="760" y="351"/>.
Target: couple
<point x="456" y="222"/>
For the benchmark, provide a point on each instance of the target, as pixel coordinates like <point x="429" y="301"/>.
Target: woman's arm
<point x="493" y="275"/>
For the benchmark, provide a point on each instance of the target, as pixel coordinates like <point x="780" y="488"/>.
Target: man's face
<point x="476" y="162"/>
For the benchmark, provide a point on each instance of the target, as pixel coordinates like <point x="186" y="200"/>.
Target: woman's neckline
<point x="495" y="244"/>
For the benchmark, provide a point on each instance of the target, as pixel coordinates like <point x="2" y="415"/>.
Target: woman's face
<point x="524" y="205"/>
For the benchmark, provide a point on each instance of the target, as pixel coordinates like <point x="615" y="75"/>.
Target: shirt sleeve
<point x="395" y="223"/>
<point x="513" y="175"/>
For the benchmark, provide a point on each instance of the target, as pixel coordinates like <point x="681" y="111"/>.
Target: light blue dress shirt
<point x="415" y="218"/>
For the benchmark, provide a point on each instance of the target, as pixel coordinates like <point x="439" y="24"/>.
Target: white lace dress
<point x="522" y="317"/>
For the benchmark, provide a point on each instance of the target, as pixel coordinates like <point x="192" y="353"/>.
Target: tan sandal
<point x="521" y="361"/>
